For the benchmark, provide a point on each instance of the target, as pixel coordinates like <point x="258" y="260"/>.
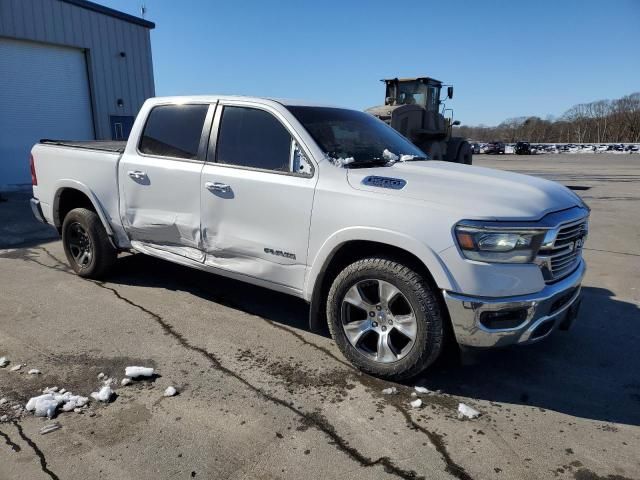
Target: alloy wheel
<point x="80" y="245"/>
<point x="378" y="320"/>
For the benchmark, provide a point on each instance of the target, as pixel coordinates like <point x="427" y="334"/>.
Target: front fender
<point x="429" y="258"/>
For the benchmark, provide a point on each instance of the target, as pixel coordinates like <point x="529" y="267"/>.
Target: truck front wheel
<point x="385" y="318"/>
<point x="86" y="244"/>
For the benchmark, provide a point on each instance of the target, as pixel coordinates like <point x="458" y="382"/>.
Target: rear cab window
<point x="173" y="131"/>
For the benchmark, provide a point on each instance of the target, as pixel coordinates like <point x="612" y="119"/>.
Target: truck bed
<point x="102" y="145"/>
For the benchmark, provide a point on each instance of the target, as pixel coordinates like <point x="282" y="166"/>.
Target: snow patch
<point x="43" y="405"/>
<point x="4" y="361"/>
<point x="34" y="371"/>
<point x="3" y="401"/>
<point x="101" y="376"/>
<point x="416" y="403"/>
<point x="126" y="381"/>
<point x="135" y="372"/>
<point x="390" y="156"/>
<point x="46" y="405"/>
<point x="465" y="411"/>
<point x="16" y="368"/>
<point x="102" y="395"/>
<point x="341" y="162"/>
<point x="170" y="392"/>
<point x="4" y="418"/>
<point x="422" y="390"/>
<point x="390" y="391"/>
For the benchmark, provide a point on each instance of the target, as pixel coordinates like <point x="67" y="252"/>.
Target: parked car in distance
<point x="494" y="148"/>
<point x="475" y="148"/>
<point x="522" y="148"/>
<point x="396" y="253"/>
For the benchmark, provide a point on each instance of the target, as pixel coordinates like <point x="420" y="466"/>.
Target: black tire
<point x="465" y="154"/>
<point x="432" y="149"/>
<point x="84" y="226"/>
<point x="429" y="338"/>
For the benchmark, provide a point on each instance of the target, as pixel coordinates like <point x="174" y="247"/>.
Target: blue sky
<point x="505" y="58"/>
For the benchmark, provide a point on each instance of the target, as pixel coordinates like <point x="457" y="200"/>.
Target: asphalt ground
<point x="262" y="397"/>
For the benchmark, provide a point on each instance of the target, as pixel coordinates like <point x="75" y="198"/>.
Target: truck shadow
<point x="589" y="372"/>
<point x="143" y="270"/>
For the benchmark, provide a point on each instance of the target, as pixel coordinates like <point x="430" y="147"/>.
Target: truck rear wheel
<point x="86" y="244"/>
<point x="385" y="318"/>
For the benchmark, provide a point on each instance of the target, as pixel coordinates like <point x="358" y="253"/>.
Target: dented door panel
<point x="260" y="228"/>
<point x="163" y="210"/>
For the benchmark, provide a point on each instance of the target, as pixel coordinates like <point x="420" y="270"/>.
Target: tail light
<point x="32" y="166"/>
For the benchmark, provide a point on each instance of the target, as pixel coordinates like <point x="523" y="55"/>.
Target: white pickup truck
<point x="396" y="253"/>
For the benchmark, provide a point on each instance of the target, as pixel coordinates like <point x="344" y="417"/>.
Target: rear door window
<point x="253" y="138"/>
<point x="173" y="131"/>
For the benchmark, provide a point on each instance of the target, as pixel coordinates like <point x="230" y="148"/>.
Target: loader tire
<point x="465" y="154"/>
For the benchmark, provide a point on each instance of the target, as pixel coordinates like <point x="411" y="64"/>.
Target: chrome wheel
<point x="378" y="320"/>
<point x="80" y="245"/>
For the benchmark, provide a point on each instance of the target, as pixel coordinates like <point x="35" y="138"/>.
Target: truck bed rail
<point x="103" y="145"/>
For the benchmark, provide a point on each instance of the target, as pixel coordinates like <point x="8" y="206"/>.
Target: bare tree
<point x="600" y="121"/>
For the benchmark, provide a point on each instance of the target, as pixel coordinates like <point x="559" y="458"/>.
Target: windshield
<point x="349" y="134"/>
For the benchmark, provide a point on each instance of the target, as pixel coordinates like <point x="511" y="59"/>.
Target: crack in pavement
<point x="14" y="446"/>
<point x="43" y="460"/>
<point x="315" y="420"/>
<point x="324" y="350"/>
<point x="436" y="439"/>
<point x="318" y="421"/>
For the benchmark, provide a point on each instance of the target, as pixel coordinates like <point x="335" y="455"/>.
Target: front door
<point x="256" y="197"/>
<point x="160" y="182"/>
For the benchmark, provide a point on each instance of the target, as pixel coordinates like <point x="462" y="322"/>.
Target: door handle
<point x="136" y="174"/>
<point x="217" y="187"/>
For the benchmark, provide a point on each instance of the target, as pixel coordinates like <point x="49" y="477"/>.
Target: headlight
<point x="499" y="245"/>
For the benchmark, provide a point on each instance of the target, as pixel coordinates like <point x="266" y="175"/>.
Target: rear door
<point x="160" y="180"/>
<point x="257" y="193"/>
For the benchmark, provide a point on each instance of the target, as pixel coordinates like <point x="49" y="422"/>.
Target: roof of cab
<point x="213" y="98"/>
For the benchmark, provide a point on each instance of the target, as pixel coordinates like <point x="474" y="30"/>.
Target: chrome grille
<point x="562" y="252"/>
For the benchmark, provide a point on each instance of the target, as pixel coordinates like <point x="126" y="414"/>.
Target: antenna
<point x="143" y="10"/>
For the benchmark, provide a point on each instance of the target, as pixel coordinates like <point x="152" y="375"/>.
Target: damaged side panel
<point x="160" y="207"/>
<point x="260" y="227"/>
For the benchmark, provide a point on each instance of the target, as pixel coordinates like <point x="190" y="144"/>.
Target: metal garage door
<point x="44" y="93"/>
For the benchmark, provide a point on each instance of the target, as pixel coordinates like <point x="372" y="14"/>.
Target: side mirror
<point x="455" y="123"/>
<point x="450" y="92"/>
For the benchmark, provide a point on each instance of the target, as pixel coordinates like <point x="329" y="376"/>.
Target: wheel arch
<point x="72" y="194"/>
<point x="339" y="252"/>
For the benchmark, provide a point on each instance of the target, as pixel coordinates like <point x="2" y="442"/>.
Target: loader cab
<point x="422" y="91"/>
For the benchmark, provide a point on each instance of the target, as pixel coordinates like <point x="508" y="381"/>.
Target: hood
<point x="476" y="192"/>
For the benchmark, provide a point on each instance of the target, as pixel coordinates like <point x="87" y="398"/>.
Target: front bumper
<point x="36" y="209"/>
<point x="476" y="320"/>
